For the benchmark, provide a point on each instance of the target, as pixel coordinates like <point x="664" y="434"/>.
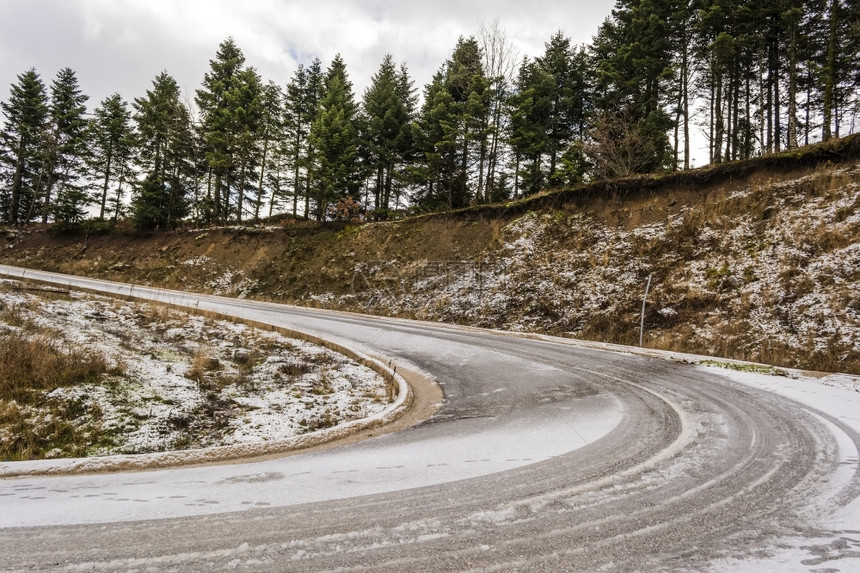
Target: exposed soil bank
<point x="757" y="261"/>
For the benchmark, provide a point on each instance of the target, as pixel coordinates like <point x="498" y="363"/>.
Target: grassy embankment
<point x="754" y="260"/>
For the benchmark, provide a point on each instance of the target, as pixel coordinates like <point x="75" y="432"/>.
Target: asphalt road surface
<point x="544" y="456"/>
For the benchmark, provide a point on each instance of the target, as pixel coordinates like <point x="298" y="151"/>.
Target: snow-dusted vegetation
<point x="754" y="261"/>
<point x="769" y="271"/>
<point x="123" y="377"/>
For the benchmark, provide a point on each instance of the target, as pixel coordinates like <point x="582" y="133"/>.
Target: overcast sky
<point x="121" y="45"/>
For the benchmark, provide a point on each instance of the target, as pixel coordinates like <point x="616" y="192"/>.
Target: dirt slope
<point x="759" y="260"/>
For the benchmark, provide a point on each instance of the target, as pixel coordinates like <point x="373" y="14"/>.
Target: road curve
<point x="545" y="456"/>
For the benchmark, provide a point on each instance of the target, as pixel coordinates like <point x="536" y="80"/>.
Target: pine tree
<point x="112" y="149"/>
<point x="272" y="152"/>
<point x="218" y="122"/>
<point x="334" y="139"/>
<point x="531" y="107"/>
<point x="316" y="88"/>
<point x="469" y="88"/>
<point x="682" y="29"/>
<point x="247" y="111"/>
<point x="21" y="146"/>
<point x="406" y="145"/>
<point x="66" y="152"/>
<point x="200" y="192"/>
<point x="435" y="136"/>
<point x="301" y="105"/>
<point x="453" y="128"/>
<point x="296" y="129"/>
<point x="165" y="143"/>
<point x="549" y="113"/>
<point x="299" y="113"/>
<point x="389" y="105"/>
<point x="633" y="56"/>
<point x="840" y="64"/>
<point x="557" y="63"/>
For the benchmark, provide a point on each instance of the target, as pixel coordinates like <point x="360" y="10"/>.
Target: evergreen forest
<point x="748" y="78"/>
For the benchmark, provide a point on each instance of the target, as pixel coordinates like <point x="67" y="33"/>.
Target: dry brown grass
<point x="38" y="364"/>
<point x="201" y="363"/>
<point x="12" y="315"/>
<point x="30" y="368"/>
<point x="160" y="314"/>
<point x="826" y="238"/>
<point x="295" y="368"/>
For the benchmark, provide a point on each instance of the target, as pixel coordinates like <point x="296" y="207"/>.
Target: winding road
<point x="546" y="455"/>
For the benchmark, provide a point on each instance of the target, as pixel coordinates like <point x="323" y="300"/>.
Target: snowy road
<point x="545" y="456"/>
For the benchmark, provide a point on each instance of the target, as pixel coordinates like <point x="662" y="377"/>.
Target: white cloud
<point x="120" y="45"/>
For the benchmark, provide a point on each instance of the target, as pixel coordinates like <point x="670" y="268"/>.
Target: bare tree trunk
<point x="262" y="175"/>
<point x="735" y="120"/>
<point x="517" y="178"/>
<point x="48" y="170"/>
<point x="677" y="130"/>
<point x="761" y="123"/>
<point x="307" y="197"/>
<point x="46" y="206"/>
<point x="748" y="135"/>
<point x="15" y="200"/>
<point x="719" y="128"/>
<point x="837" y="119"/>
<point x="378" y="192"/>
<point x="808" y="113"/>
<point x="776" y="109"/>
<point x="277" y="188"/>
<point x="777" y="115"/>
<point x="106" y="183"/>
<point x="830" y="74"/>
<point x="711" y="114"/>
<point x="479" y="194"/>
<point x="216" y="201"/>
<point x="773" y="132"/>
<point x="494" y="152"/>
<point x="36" y="195"/>
<point x="685" y="86"/>
<point x="297" y="170"/>
<point x="500" y="62"/>
<point x="730" y="92"/>
<point x="792" y="86"/>
<point x="308" y="182"/>
<point x="226" y="207"/>
<point x="241" y="193"/>
<point x="119" y="193"/>
<point x="386" y="199"/>
<point x="464" y="168"/>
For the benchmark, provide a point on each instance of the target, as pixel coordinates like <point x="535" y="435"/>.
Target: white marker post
<point x="642" y="317"/>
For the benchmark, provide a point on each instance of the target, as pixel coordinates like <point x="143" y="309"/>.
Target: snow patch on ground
<point x="188" y="381"/>
<point x="231" y="283"/>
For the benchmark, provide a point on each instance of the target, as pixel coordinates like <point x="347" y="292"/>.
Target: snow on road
<point x="494" y="433"/>
<point x="836" y="398"/>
